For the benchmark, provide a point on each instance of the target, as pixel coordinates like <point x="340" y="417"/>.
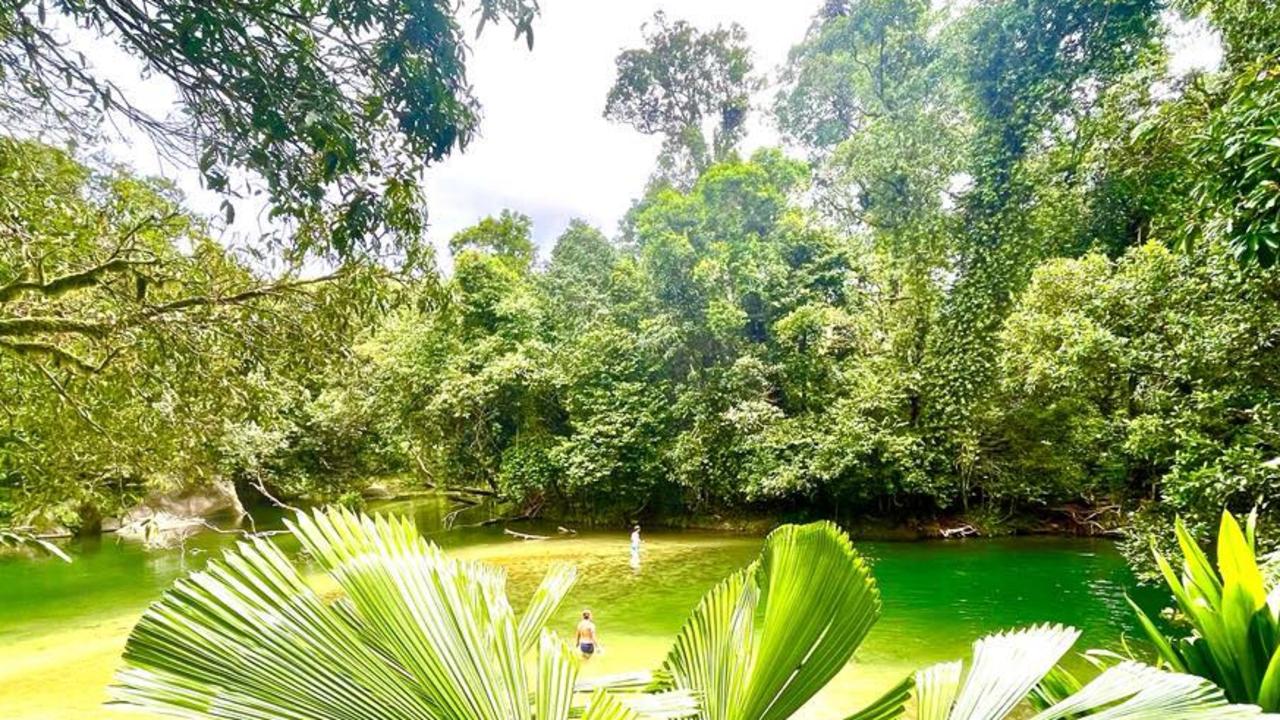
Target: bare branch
<point x="262" y="488"/>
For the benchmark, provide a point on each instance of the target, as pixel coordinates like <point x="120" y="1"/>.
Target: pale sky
<point x="544" y="148"/>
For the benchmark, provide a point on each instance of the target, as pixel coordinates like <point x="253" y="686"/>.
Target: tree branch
<point x="207" y="300"/>
<point x="69" y="282"/>
<point x="99" y="330"/>
<point x="45" y="325"/>
<point x="28" y="350"/>
<point x="66" y="397"/>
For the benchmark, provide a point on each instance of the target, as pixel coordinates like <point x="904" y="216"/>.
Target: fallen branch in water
<point x="484" y="523"/>
<point x="963" y="531"/>
<point x="241" y="531"/>
<point x="524" y="536"/>
<point x="485" y="492"/>
<point x="1103" y="520"/>
<point x="452" y="516"/>
<point x="566" y="531"/>
<point x="262" y="488"/>
<point x="14" y="538"/>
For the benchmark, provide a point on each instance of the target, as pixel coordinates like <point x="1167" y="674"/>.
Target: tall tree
<point x="681" y="81"/>
<point x="872" y="93"/>
<point x="859" y="62"/>
<point x="507" y="236"/>
<point x="1025" y="63"/>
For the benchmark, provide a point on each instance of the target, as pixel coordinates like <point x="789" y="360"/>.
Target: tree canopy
<point x="332" y="109"/>
<point x="681" y="81"/>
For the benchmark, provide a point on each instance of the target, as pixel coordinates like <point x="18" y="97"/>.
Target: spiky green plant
<point x="414" y="634"/>
<point x="1234" y="616"/>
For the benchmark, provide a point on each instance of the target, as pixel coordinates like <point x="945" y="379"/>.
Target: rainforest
<point x="956" y="272"/>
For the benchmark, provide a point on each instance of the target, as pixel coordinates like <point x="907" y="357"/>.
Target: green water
<point x="62" y="626"/>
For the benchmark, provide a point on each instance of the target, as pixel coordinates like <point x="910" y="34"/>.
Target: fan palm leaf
<point x="415" y="635"/>
<point x="815" y="599"/>
<point x="1007" y="667"/>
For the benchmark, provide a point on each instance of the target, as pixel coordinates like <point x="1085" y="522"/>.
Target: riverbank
<point x="173" y="517"/>
<point x="1065" y="521"/>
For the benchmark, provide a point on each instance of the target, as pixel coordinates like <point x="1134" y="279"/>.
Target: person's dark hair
<point x="586" y="614"/>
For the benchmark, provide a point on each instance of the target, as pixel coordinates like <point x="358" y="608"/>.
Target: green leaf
<point x="891" y="705"/>
<point x="817" y="601"/>
<point x="1237" y="562"/>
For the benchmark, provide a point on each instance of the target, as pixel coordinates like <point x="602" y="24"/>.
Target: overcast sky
<point x="544" y="148"/>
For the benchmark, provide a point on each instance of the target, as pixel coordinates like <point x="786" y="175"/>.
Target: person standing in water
<point x="635" y="548"/>
<point x="586" y="636"/>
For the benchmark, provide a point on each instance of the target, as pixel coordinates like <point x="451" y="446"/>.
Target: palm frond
<point x="1007" y="666"/>
<point x="555" y="584"/>
<point x="712" y="653"/>
<point x="557" y="672"/>
<point x="415" y="635"/>
<point x="1132" y="691"/>
<point x="936" y="688"/>
<point x="607" y="707"/>
<point x="817" y="601"/>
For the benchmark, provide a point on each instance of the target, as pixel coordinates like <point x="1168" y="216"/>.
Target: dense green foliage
<point x="961" y="299"/>
<point x="137" y="354"/>
<point x="701" y="368"/>
<point x="1020" y="268"/>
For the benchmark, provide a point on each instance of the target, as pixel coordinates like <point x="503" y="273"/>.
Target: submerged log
<point x="524" y="536"/>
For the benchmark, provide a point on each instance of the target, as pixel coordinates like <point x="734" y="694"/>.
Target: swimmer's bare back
<point x="586" y="637"/>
